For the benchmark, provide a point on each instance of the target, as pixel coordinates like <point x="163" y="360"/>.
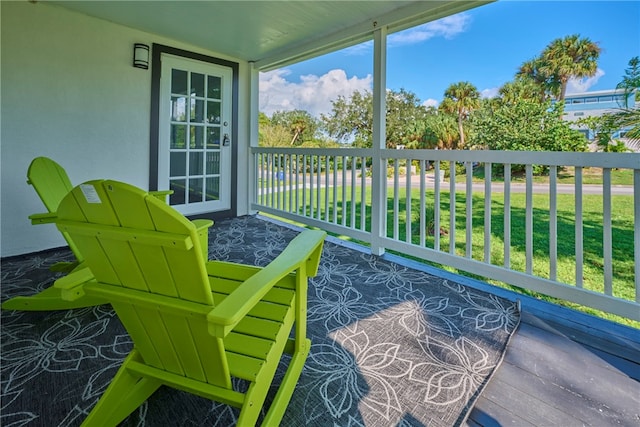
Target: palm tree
<point x="461" y="98"/>
<point x="569" y="57"/>
<point x="521" y="88"/>
<point x="631" y="80"/>
<point x="530" y="74"/>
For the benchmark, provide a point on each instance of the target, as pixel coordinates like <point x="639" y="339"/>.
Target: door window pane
<point x="213" y="162"/>
<point x="179" y="82"/>
<point x="197" y="137"/>
<point x="177" y="136"/>
<point x="213" y="87"/>
<point x="197" y="84"/>
<point x="178" y="164"/>
<point x="178" y="109"/>
<point x="213" y="188"/>
<point x="178" y="195"/>
<point x="195" y="163"/>
<point x="213" y="137"/>
<point x="213" y="112"/>
<point x="197" y="111"/>
<point x="195" y="190"/>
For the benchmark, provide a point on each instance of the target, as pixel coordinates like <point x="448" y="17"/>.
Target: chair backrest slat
<point x="50" y="181"/>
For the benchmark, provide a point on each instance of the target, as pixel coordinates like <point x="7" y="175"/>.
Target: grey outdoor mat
<point x="391" y="346"/>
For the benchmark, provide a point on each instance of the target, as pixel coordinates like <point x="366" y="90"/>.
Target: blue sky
<point x="484" y="46"/>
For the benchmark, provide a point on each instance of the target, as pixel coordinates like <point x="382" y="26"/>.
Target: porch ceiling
<point x="270" y="33"/>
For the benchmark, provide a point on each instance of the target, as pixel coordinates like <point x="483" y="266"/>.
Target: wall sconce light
<point x="141" y="56"/>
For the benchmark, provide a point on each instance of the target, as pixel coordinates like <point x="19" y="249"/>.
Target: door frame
<point x="154" y="134"/>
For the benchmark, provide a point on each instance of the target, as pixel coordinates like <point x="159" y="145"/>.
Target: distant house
<point x="596" y="103"/>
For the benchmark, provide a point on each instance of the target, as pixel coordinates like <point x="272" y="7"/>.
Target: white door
<point x="194" y="152"/>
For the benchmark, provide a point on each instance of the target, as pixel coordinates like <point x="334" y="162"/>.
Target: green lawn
<point x="567" y="176"/>
<point x="622" y="234"/>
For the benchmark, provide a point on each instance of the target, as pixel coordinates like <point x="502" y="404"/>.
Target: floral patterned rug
<point x="391" y="346"/>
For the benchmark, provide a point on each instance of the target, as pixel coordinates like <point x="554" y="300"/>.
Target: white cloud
<point x="583" y="85"/>
<point x="492" y="92"/>
<point x="312" y="93"/>
<point x="447" y="27"/>
<point x="431" y="103"/>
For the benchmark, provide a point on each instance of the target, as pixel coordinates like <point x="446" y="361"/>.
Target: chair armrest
<point x="296" y="256"/>
<point x="202" y="224"/>
<point x="43" y="218"/>
<point x="161" y="194"/>
<point x="71" y="285"/>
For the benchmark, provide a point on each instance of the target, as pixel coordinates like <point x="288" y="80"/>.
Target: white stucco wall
<point x="69" y="92"/>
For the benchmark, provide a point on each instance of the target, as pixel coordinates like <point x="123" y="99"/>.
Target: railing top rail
<point x="357" y="152"/>
<point x="550" y="158"/>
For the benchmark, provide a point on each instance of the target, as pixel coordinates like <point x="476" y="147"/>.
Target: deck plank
<point x="548" y="379"/>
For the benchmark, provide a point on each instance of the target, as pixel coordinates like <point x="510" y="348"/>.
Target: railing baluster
<point x="344" y="190"/>
<point x="553" y="223"/>
<point x="436" y="206"/>
<point x="304" y="185"/>
<point x="276" y="181"/>
<point x="636" y="227"/>
<point x="507" y="215"/>
<point x="469" y="210"/>
<point x="327" y="187"/>
<point x="396" y="203"/>
<point x="319" y="189"/>
<point x="311" y="186"/>
<point x="606" y="231"/>
<point x="407" y="199"/>
<point x="452" y="207"/>
<point x="487" y="213"/>
<point x="290" y="183"/>
<point x="262" y="159"/>
<point x="363" y="192"/>
<point x="270" y="179"/>
<point x="352" y="223"/>
<point x="423" y="205"/>
<point x="529" y="219"/>
<point x="335" y="187"/>
<point x="294" y="187"/>
<point x="579" y="228"/>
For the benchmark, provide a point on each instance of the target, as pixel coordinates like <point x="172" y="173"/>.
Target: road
<point x="496" y="187"/>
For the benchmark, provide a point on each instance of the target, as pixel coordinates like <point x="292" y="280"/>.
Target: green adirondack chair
<point x="52" y="183"/>
<point x="195" y="324"/>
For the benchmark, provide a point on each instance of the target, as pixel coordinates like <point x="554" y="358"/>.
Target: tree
<point x="530" y="74"/>
<point x="271" y="135"/>
<point x="527" y="125"/>
<point x="629" y="117"/>
<point x="521" y="88"/>
<point x="631" y="80"/>
<point x="561" y="60"/>
<point x="439" y="130"/>
<point x="461" y="99"/>
<point x="301" y="125"/>
<point x="352" y="119"/>
<point x="603" y="128"/>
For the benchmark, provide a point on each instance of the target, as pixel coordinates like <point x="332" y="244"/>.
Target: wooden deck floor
<point x="562" y="368"/>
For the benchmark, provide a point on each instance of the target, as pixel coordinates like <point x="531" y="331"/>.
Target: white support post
<point x="251" y="165"/>
<point x="379" y="173"/>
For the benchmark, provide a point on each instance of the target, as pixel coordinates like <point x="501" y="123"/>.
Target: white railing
<point x="517" y="232"/>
